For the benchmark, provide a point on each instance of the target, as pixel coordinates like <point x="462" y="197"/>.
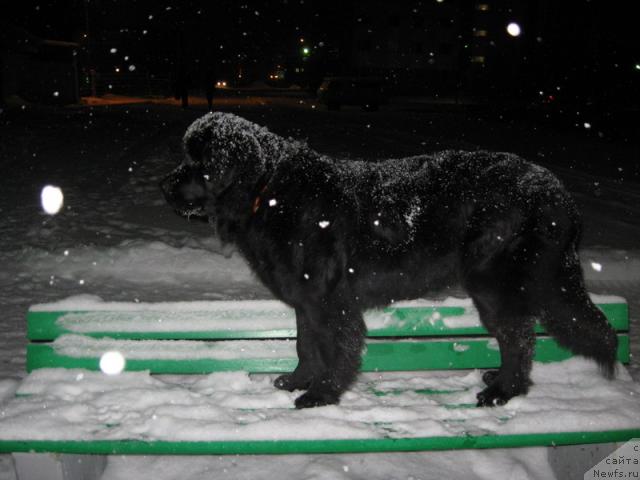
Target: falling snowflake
<point x="112" y="363"/>
<point x="52" y="199"/>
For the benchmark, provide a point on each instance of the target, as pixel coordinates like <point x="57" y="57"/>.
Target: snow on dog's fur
<point x="332" y="238"/>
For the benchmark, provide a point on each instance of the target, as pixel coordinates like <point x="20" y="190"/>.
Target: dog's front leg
<point x="309" y="357"/>
<point x="334" y="337"/>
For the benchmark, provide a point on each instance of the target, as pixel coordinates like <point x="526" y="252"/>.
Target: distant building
<point x="417" y="46"/>
<point x="37" y="70"/>
<point x="445" y="47"/>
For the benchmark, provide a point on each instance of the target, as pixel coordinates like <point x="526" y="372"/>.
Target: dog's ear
<point x="226" y="147"/>
<point x="222" y="139"/>
<point x="236" y="147"/>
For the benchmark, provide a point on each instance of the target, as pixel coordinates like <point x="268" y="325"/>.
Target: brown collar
<point x="257" y="200"/>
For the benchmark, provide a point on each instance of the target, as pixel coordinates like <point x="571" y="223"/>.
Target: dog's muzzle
<point x="185" y="190"/>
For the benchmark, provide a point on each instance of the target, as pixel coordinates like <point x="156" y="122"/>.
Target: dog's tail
<point x="575" y="322"/>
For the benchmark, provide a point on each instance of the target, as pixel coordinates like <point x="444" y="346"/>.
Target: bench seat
<point x="198" y="379"/>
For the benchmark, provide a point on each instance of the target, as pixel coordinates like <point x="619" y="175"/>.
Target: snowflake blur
<point x="112" y="363"/>
<point x="52" y="199"/>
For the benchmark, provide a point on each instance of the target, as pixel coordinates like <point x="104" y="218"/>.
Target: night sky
<point x="589" y="48"/>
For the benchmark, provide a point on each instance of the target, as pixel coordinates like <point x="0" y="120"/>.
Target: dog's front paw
<point x="316" y="399"/>
<point x="492" y="396"/>
<point x="290" y="382"/>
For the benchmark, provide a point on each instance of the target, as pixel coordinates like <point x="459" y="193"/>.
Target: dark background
<point x="570" y="52"/>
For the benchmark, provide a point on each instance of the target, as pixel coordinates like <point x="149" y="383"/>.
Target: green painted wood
<point x="617" y="314"/>
<point x="450" y="353"/>
<point x="43" y="326"/>
<point x="264" y="447"/>
<point x="406" y="321"/>
<point x="392" y="355"/>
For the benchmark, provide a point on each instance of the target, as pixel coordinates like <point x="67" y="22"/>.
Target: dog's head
<point x="220" y="150"/>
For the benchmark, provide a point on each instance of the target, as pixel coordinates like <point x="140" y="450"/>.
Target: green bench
<point x="417" y="392"/>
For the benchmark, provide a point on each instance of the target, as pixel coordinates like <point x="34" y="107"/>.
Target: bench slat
<point x="189" y="357"/>
<point x="136" y="447"/>
<point x="256" y="322"/>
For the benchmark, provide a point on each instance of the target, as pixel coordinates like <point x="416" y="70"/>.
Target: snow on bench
<point x="418" y="392"/>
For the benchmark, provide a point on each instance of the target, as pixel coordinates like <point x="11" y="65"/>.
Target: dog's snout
<point x="192" y="191"/>
<point x="185" y="190"/>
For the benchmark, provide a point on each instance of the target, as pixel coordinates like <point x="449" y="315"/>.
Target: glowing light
<point x="273" y="202"/>
<point x="113" y="50"/>
<point x="324" y="224"/>
<point x="514" y="29"/>
<point x="132" y="68"/>
<point x="306" y="50"/>
<point x="596" y="266"/>
<point x="52" y="199"/>
<point x="587" y="125"/>
<point x="112" y="363"/>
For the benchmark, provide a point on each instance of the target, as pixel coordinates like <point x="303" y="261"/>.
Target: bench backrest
<point x="257" y="336"/>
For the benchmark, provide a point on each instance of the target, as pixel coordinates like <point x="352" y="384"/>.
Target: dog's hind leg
<point x="514" y="332"/>
<point x="499" y="273"/>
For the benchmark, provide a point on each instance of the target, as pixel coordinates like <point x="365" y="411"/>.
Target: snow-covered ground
<point x="116" y="238"/>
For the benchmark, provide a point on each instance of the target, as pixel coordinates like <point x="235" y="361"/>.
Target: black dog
<point x="332" y="238"/>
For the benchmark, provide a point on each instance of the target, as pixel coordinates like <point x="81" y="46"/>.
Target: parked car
<point x="368" y="92"/>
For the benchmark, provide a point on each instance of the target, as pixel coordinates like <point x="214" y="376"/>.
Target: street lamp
<point x="514" y="29"/>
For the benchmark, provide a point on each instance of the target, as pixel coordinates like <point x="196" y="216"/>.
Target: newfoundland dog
<point x="332" y="238"/>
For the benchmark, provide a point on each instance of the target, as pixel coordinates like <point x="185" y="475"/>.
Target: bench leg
<point x="572" y="461"/>
<point x="52" y="466"/>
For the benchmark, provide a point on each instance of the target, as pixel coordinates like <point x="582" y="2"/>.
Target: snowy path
<point x="118" y="240"/>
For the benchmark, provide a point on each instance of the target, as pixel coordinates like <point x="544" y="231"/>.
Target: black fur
<point x="333" y="238"/>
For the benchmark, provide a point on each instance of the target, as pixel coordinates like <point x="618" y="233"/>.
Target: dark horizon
<point x="582" y="52"/>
